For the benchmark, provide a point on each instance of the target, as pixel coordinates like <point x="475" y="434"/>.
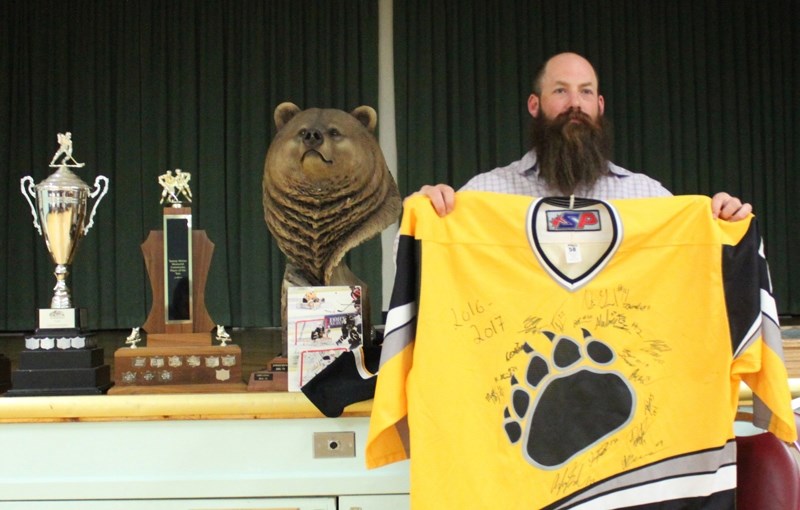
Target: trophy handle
<point x="94" y="194"/>
<point x="28" y="192"/>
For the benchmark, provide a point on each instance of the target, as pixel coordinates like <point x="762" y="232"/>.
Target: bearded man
<point x="570" y="149"/>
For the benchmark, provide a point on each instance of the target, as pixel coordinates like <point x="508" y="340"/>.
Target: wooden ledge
<point x="186" y="406"/>
<point x="213" y="406"/>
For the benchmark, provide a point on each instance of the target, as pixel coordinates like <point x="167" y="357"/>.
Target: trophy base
<point x="274" y="378"/>
<point x="60" y="372"/>
<point x="161" y="369"/>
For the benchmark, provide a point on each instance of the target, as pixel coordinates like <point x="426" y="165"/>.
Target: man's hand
<point x="442" y="197"/>
<point x="729" y="208"/>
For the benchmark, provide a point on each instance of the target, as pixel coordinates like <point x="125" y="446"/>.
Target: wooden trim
<point x="210" y="406"/>
<point x="213" y="406"/>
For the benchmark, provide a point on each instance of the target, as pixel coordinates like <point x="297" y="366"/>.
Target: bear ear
<point x="367" y="116"/>
<point x="284" y="112"/>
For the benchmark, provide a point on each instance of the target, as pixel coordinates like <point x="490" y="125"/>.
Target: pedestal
<point x="60" y="362"/>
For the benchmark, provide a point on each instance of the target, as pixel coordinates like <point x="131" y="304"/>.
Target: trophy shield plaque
<point x="61" y="358"/>
<point x="179" y="355"/>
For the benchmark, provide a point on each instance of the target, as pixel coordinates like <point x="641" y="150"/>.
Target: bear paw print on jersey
<point x="564" y="406"/>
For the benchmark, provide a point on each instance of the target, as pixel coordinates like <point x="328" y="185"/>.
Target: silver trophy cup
<point x="59" y="213"/>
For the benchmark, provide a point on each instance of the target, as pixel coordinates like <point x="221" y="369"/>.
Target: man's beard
<point x="572" y="156"/>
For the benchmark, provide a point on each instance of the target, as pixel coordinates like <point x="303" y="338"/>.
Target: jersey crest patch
<point x="573" y="239"/>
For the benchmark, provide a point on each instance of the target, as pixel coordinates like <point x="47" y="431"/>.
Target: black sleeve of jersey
<point x="406" y="278"/>
<point x="745" y="274"/>
<point x="340" y="384"/>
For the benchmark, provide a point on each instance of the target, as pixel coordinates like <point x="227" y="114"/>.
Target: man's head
<point x="569" y="133"/>
<point x="565" y="81"/>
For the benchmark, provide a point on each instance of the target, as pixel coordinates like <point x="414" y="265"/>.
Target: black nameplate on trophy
<point x="279" y="364"/>
<point x="264" y="380"/>
<point x="178" y="268"/>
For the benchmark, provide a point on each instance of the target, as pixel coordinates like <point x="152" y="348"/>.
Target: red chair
<point x="768" y="473"/>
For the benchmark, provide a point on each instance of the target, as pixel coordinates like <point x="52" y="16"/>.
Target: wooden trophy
<point x="179" y="356"/>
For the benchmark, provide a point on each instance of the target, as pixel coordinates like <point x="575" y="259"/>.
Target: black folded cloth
<point x="350" y="378"/>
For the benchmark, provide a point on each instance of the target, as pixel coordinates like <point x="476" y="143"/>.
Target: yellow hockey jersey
<point x="542" y="353"/>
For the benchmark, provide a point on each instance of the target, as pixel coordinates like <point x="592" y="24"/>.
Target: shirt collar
<point x="529" y="164"/>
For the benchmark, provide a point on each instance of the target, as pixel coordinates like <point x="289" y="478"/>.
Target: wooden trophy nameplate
<point x="273" y="378"/>
<point x="179" y="355"/>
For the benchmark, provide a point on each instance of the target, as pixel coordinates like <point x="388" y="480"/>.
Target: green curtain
<point x="146" y="86"/>
<point x="702" y="96"/>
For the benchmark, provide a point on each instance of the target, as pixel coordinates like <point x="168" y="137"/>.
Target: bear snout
<point x="312" y="138"/>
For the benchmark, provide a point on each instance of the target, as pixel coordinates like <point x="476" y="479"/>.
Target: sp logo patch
<point x="573" y="221"/>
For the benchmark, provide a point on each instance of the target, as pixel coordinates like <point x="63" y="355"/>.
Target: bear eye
<point x="334" y="132"/>
<point x="302" y="132"/>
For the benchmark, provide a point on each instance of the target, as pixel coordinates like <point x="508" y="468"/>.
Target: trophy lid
<point x="62" y="179"/>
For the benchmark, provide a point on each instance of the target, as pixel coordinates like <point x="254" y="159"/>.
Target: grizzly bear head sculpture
<point x="326" y="189"/>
